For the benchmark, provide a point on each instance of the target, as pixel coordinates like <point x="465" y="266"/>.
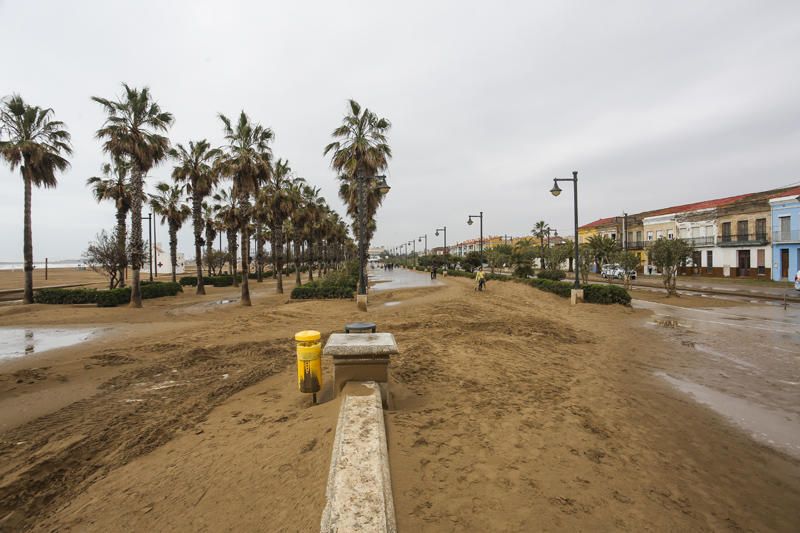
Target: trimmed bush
<point x="65" y="296"/>
<point x="337" y="284"/>
<point x="523" y="271"/>
<point x="104" y="298"/>
<point x="561" y="288"/>
<point x="555" y="275"/>
<point x="606" y="294"/>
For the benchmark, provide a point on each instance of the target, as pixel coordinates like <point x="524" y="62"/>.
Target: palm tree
<point x="210" y="224"/>
<point x="132" y="132"/>
<point x="170" y="203"/>
<point x="37" y="144"/>
<point x="228" y="219"/>
<point x="277" y="202"/>
<point x="541" y="230"/>
<point x="194" y="168"/>
<point x="361" y="152"/>
<point x="246" y="160"/>
<point x="601" y="248"/>
<point x="115" y="186"/>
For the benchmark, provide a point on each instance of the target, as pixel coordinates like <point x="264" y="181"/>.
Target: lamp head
<point x="556" y="190"/>
<point x="469" y="221"/>
<point x="437" y="232"/>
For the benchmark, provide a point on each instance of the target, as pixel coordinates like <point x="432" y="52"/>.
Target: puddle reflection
<point x="18" y="342"/>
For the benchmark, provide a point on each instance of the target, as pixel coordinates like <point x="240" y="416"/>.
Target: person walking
<point x="480" y="279"/>
<point x="433" y="272"/>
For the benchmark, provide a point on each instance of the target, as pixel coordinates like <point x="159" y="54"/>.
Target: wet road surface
<point x="399" y="278"/>
<point x="745" y="364"/>
<point x="18" y="342"/>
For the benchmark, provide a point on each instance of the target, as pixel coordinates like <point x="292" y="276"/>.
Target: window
<point x="613" y="236"/>
<point x="670" y="235"/>
<point x="741" y="230"/>
<point x="649" y="235"/>
<point x="659" y="234"/>
<point x="761" y="229"/>
<point x="726" y="232"/>
<point x="786" y="226"/>
<point x="709" y="261"/>
<point x="761" y="262"/>
<point x="639" y="236"/>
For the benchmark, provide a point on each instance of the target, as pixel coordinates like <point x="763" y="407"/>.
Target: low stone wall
<point x="359" y="493"/>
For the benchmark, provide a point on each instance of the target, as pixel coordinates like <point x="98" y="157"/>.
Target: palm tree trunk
<point x="27" y="236"/>
<point x="259" y="260"/>
<point x="137" y="246"/>
<point x="310" y="260"/>
<point x="197" y="219"/>
<point x="278" y="232"/>
<point x="173" y="250"/>
<point x="232" y="251"/>
<point x="245" y="301"/>
<point x="297" y="280"/>
<point x="122" y="215"/>
<point x="209" y="248"/>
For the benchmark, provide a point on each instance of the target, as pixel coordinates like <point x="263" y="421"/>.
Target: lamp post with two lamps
<point x="469" y="221"/>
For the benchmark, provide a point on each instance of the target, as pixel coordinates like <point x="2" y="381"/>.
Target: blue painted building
<point x="785" y="237"/>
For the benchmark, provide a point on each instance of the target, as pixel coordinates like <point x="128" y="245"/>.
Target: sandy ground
<point x="15" y="279"/>
<point x="513" y="412"/>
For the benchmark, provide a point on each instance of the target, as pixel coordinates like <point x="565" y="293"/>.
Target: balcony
<point x="743" y="239"/>
<point x="699" y="242"/>
<point x="786" y="236"/>
<point x="635" y="245"/>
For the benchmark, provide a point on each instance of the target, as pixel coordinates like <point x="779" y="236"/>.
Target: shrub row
<point x="105" y="298"/>
<point x="336" y="284"/>
<point x="606" y="294"/>
<point x="555" y="275"/>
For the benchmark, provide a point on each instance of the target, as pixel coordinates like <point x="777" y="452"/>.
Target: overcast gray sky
<point x="654" y="103"/>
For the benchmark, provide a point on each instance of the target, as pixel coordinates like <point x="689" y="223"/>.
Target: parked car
<point x="609" y="270"/>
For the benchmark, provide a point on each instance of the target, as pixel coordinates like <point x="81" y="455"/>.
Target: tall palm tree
<point x="296" y="199"/>
<point x="195" y="169"/>
<point x="277" y="200"/>
<point x="360" y="152"/>
<point x="540" y="230"/>
<point x="32" y="140"/>
<point x="170" y="203"/>
<point x="115" y="186"/>
<point x="602" y="248"/>
<point x="246" y="159"/>
<point x="132" y="132"/>
<point x="228" y="219"/>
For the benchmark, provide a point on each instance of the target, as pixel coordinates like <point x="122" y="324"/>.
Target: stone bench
<point x="360" y="357"/>
<point x="359" y="492"/>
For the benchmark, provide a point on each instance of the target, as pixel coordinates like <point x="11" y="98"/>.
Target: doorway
<point x="743" y="263"/>
<point x="784" y="263"/>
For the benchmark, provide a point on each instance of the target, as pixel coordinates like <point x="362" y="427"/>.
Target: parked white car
<point x="614" y="271"/>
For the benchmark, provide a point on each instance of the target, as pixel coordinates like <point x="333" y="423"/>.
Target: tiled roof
<point x="598" y="222"/>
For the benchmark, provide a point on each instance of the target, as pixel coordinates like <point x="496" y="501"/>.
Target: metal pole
<point x="45" y="268"/>
<point x="155" y="248"/>
<point x="481" y="239"/>
<point x="625" y="231"/>
<point x="577" y="258"/>
<point x="150" y="237"/>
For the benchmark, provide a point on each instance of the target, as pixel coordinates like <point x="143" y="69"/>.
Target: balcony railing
<point x="786" y="236"/>
<point x="743" y="239"/>
<point x="635" y="245"/>
<point x="700" y="241"/>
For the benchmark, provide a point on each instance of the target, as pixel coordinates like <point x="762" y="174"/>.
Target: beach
<point x="512" y="412"/>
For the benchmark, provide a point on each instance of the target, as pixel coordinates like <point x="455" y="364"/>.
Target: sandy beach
<point x="513" y="412"/>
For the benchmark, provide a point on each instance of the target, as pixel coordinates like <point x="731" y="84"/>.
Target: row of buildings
<point x="754" y="235"/>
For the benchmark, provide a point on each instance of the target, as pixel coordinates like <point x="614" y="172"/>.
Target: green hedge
<point x="606" y="294"/>
<point x="555" y="275"/>
<point x="105" y="298"/>
<point x="338" y="284"/>
<point x="562" y="288"/>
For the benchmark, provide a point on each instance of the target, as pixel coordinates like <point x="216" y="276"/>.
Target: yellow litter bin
<point x="309" y="362"/>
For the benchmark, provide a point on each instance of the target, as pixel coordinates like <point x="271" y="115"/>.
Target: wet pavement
<point x="19" y="342"/>
<point x="745" y="364"/>
<point x="399" y="278"/>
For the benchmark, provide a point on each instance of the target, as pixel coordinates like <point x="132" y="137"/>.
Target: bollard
<point x="309" y="362"/>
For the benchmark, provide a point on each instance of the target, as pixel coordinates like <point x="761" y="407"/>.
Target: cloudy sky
<point x="654" y="103"/>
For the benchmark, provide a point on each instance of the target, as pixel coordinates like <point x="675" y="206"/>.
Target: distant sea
<point x="66" y="263"/>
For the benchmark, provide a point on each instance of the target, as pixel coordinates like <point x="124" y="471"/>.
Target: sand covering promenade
<point x="514" y="412"/>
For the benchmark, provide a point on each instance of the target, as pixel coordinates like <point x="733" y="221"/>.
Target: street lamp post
<point x="555" y="191"/>
<point x="383" y="188"/>
<point x="413" y="244"/>
<point x="469" y="221"/>
<point x="149" y="219"/>
<point x="426" y="242"/>
<point x="444" y="230"/>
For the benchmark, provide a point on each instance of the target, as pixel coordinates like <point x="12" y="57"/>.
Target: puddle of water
<point x="222" y="302"/>
<point x="391" y="304"/>
<point x="19" y="342"/>
<point x="710" y="351"/>
<point x="774" y="427"/>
